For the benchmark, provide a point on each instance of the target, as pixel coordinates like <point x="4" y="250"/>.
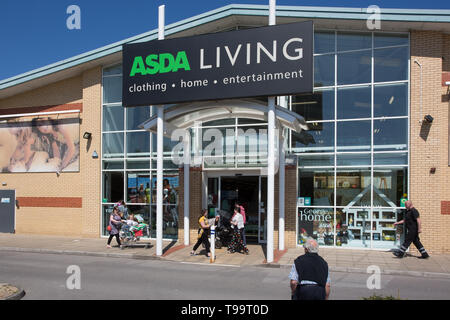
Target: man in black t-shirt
<point x="413" y="228"/>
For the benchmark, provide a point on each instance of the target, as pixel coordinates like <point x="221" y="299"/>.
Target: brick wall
<point x="80" y="214"/>
<point x="429" y="143"/>
<point x="90" y="176"/>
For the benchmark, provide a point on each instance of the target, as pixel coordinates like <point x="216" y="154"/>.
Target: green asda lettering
<point x="162" y="63"/>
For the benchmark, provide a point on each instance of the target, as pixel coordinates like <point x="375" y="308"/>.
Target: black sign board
<point x="265" y="61"/>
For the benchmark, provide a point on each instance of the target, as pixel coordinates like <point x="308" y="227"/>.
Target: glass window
<point x="316" y="186"/>
<point x="138" y="144"/>
<point x="250" y="121"/>
<point x="391" y="64"/>
<point x="315" y="107"/>
<point x="167" y="164"/>
<point x="319" y="138"/>
<point x="316" y="160"/>
<point x="390" y="158"/>
<point x="107" y="210"/>
<point x="142" y="211"/>
<point x="170" y="204"/>
<point x="353" y="227"/>
<point x="354" y="102"/>
<point x="324" y="70"/>
<point x="138" y="164"/>
<point x="353" y="136"/>
<point x="354" y="67"/>
<point x="138" y="187"/>
<point x="113" y="145"/>
<point x="112" y="89"/>
<point x="324" y="41"/>
<point x="353" y="159"/>
<point x="220" y="122"/>
<point x="112" y="164"/>
<point x="387" y="40"/>
<point x="317" y="223"/>
<point x="384" y="234"/>
<point x="113" y="183"/>
<point x="218" y="141"/>
<point x="353" y="41"/>
<point x="114" y="70"/>
<point x="390" y="185"/>
<point x="353" y="187"/>
<point x="391" y="100"/>
<point x="136" y="116"/>
<point x="390" y="134"/>
<point x="251" y="145"/>
<point x="113" y="118"/>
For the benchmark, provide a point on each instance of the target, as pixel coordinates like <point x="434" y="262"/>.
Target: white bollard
<point x="213" y="244"/>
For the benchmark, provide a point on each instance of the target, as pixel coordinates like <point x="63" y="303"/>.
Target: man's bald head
<point x="408" y="204"/>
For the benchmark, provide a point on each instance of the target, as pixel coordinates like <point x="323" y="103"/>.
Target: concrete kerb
<point x="83" y="253"/>
<point x="424" y="274"/>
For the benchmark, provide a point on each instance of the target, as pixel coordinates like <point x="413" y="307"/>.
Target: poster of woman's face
<point x="40" y="145"/>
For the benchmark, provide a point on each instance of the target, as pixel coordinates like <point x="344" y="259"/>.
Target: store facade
<point x="345" y="177"/>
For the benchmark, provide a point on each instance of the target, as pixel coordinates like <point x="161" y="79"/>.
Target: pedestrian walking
<point x="115" y="220"/>
<point x="242" y="230"/>
<point x="309" y="277"/>
<point x="203" y="233"/>
<point x="237" y="224"/>
<point x="413" y="225"/>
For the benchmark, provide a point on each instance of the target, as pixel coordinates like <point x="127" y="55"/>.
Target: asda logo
<point x="160" y="63"/>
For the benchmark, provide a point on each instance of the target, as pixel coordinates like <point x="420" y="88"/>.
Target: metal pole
<point x="271" y="158"/>
<point x="213" y="244"/>
<point x="281" y="193"/>
<point x="159" y="160"/>
<point x="187" y="158"/>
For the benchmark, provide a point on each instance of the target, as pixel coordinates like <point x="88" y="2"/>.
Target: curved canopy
<point x="185" y="115"/>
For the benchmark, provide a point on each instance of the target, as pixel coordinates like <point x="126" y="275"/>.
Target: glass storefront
<point x="353" y="160"/>
<point x="128" y="167"/>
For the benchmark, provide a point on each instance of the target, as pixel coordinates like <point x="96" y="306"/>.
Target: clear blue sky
<point x="34" y="34"/>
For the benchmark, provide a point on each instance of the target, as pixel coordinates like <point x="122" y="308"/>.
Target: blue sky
<point x="34" y="33"/>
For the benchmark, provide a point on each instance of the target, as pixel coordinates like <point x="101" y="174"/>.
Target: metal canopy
<point x="185" y="115"/>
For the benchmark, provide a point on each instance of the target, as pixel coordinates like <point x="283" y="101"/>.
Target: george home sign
<point x="265" y="61"/>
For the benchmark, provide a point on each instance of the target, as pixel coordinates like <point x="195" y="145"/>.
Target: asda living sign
<point x="266" y="61"/>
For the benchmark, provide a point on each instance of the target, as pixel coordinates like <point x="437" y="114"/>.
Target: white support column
<point x="187" y="158"/>
<point x="271" y="158"/>
<point x="159" y="150"/>
<point x="281" y="176"/>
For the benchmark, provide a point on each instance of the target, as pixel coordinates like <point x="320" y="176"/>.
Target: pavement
<point x="339" y="260"/>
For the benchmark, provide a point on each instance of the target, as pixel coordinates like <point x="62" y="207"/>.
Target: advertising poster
<point x="40" y="145"/>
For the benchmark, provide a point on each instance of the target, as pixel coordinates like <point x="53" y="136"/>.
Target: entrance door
<point x="7" y="211"/>
<point x="250" y="192"/>
<point x="245" y="191"/>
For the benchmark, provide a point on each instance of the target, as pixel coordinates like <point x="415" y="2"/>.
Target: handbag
<point x="109" y="228"/>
